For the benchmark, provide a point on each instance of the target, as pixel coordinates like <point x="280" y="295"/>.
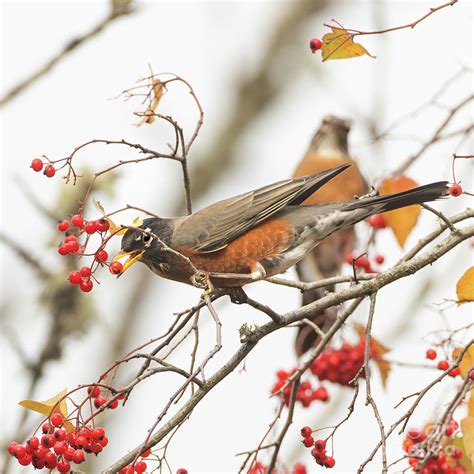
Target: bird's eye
<point x="146" y="238"/>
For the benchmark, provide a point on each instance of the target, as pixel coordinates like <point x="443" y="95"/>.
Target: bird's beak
<point x="133" y="256"/>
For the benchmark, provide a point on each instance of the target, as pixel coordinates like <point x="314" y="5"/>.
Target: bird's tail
<point x="389" y="202"/>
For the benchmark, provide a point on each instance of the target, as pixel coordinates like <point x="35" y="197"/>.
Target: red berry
<point x="113" y="404"/>
<point x="25" y="460"/>
<point x="57" y="419"/>
<point x="85" y="271"/>
<point x="46" y="428"/>
<point x="315" y="44"/>
<point x="140" y="466"/>
<point x="443" y="365"/>
<point x="181" y="470"/>
<point x="77" y="220"/>
<point x="377" y="221"/>
<point x="60" y="435"/>
<point x="306" y="431"/>
<point x="72" y="246"/>
<point x="104" y="441"/>
<point x="49" y="171"/>
<point x="37" y="165"/>
<point x="455" y="190"/>
<point x="86" y="285"/>
<point x="320" y="444"/>
<point x="69" y="454"/>
<point x="63" y="226"/>
<point x="379" y="259"/>
<point x="457" y="453"/>
<point x="471" y="374"/>
<point x="116" y="268"/>
<point x="63" y="466"/>
<point x="19" y="451"/>
<point x="363" y="262"/>
<point x="146" y="453"/>
<point x="75" y="277"/>
<point x="81" y="441"/>
<point x="98" y="433"/>
<point x="299" y="468"/>
<point x="99" y="401"/>
<point x="308" y="441"/>
<point x="329" y="462"/>
<point x="78" y="457"/>
<point x="60" y="448"/>
<point x="51" y="460"/>
<point x="454" y="372"/>
<point x="431" y="354"/>
<point x="11" y="447"/>
<point x="103" y="225"/>
<point x="63" y="249"/>
<point x="93" y="390"/>
<point x="90" y="227"/>
<point x="33" y="442"/>
<point x="101" y="256"/>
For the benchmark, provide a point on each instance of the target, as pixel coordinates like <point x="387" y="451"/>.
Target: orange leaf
<point x="401" y="221"/>
<point x="467" y="427"/>
<point x="339" y="45"/>
<point x="377" y="350"/>
<point x="467" y="362"/>
<point x="50" y="406"/>
<point x="158" y="90"/>
<point x="465" y="286"/>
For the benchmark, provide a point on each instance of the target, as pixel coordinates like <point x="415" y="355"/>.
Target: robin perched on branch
<point x="328" y="148"/>
<point x="254" y="235"/>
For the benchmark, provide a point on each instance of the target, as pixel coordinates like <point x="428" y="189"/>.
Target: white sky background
<point x="212" y="45"/>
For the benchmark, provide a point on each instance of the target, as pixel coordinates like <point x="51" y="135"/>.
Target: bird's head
<point x="141" y="243"/>
<point x="332" y="134"/>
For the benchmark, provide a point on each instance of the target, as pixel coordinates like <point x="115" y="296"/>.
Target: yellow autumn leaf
<point x="467" y="427"/>
<point x="377" y="350"/>
<point x="339" y="44"/>
<point x="465" y="286"/>
<point x="467" y="362"/>
<point x="157" y="92"/>
<point x="401" y="221"/>
<point x="470" y="403"/>
<point x="48" y="407"/>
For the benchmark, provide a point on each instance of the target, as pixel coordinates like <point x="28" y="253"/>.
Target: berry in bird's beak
<point x="133" y="256"/>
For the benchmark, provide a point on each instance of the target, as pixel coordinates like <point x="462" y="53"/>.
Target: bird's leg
<point x="258" y="274"/>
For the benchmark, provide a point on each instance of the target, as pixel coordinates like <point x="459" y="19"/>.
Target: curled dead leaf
<point x="157" y="91"/>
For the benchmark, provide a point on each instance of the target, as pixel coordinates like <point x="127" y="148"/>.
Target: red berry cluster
<point x="37" y="165"/>
<point x="141" y="466"/>
<point x="364" y="263"/>
<point x="318" y="448"/>
<point x="57" y="448"/>
<point x="100" y="400"/>
<point x="340" y="365"/>
<point x="443" y="365"/>
<point x="315" y="44"/>
<point x="71" y="246"/>
<point x="446" y="459"/>
<point x="306" y="393"/>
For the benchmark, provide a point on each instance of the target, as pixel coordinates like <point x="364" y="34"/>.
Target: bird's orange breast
<point x="242" y="254"/>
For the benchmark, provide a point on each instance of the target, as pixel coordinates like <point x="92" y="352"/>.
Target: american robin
<point x="254" y="235"/>
<point x="328" y="148"/>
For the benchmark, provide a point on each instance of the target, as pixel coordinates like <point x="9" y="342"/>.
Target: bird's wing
<point x="212" y="228"/>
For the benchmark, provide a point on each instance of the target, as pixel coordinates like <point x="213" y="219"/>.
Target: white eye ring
<point x="139" y="237"/>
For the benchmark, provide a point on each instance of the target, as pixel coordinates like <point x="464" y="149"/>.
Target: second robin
<point x="328" y="148"/>
<point x="257" y="234"/>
